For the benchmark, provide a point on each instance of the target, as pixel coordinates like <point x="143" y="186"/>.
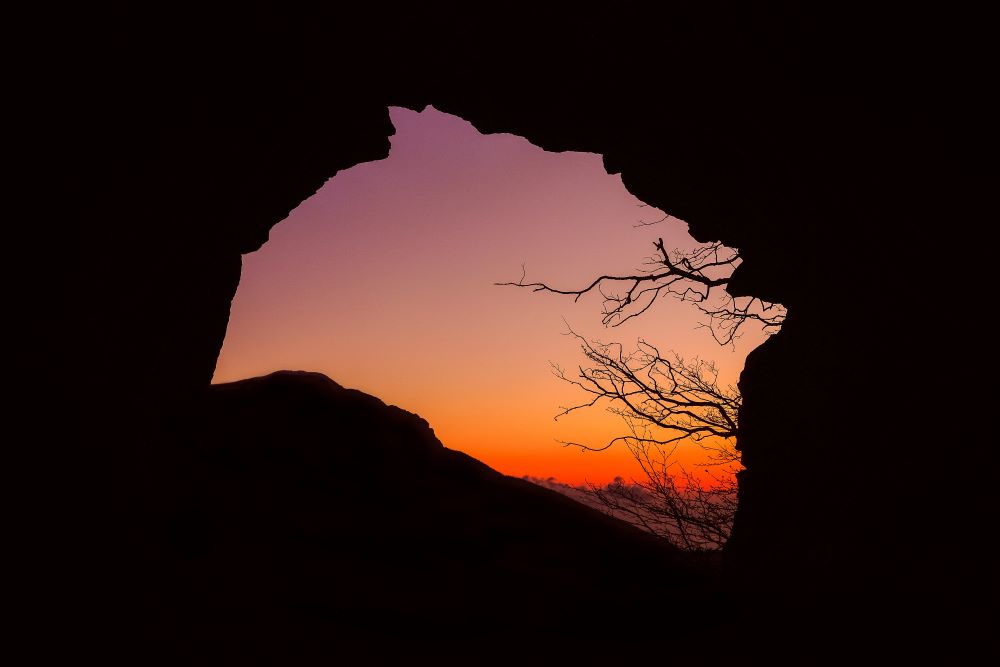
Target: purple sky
<point x="384" y="278"/>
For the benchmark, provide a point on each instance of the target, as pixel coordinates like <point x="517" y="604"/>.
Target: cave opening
<point x="816" y="144"/>
<point x="385" y="281"/>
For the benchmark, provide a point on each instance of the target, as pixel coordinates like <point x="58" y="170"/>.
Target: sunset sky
<point x="384" y="281"/>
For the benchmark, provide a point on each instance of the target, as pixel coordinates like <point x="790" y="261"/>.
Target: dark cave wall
<point x="758" y="130"/>
<point x="755" y="183"/>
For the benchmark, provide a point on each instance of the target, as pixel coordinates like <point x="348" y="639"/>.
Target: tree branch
<point x="691" y="276"/>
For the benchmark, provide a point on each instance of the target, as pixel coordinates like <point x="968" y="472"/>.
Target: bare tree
<point x="683" y="509"/>
<point x="666" y="401"/>
<point x="697" y="276"/>
<point x="649" y="390"/>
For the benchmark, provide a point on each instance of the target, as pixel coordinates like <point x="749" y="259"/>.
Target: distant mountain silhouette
<point x="300" y="516"/>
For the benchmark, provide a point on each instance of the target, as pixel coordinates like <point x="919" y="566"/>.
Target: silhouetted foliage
<point x="666" y="400"/>
<point x="675" y="505"/>
<point x="654" y="390"/>
<point x="697" y="276"/>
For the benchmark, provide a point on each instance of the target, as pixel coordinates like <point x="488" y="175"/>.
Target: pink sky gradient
<point x="384" y="278"/>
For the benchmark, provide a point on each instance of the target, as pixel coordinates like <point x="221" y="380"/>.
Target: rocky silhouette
<point x="818" y="144"/>
<point x="298" y="518"/>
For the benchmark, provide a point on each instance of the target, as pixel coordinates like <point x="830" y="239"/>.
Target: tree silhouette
<point x="654" y="391"/>
<point x="665" y="400"/>
<point x="680" y="507"/>
<point x="697" y="276"/>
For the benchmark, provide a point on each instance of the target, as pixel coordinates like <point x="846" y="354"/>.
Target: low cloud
<point x="581" y="494"/>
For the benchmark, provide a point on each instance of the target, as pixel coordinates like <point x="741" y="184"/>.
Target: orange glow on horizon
<point x="383" y="281"/>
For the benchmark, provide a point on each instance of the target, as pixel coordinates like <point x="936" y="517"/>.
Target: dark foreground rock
<point x="299" y="518"/>
<point x="840" y="151"/>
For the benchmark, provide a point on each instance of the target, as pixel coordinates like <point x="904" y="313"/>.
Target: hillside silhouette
<point x="298" y="516"/>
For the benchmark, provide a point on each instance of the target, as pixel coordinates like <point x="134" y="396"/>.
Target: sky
<point x="384" y="281"/>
